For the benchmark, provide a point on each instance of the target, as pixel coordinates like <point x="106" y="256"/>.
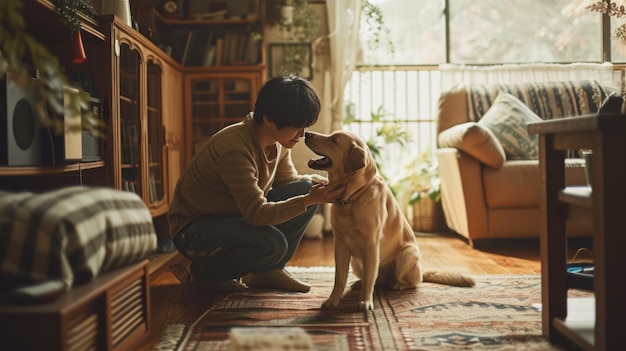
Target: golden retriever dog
<point x="371" y="233"/>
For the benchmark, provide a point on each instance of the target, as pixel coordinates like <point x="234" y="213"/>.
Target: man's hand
<point x="324" y="193"/>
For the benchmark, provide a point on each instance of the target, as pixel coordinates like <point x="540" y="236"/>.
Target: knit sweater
<point x="230" y="176"/>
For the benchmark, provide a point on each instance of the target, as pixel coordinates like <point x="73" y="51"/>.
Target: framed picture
<point x="291" y="57"/>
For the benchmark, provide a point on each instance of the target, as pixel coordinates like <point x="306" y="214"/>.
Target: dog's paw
<point x="331" y="303"/>
<point x="366" y="306"/>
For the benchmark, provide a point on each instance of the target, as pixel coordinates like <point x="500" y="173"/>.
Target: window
<point x="522" y="31"/>
<point x="418" y="35"/>
<point x="487" y="31"/>
<point x="618" y="47"/>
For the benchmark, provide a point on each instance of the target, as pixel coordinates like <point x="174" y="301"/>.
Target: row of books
<point x="131" y="185"/>
<point x="134" y="187"/>
<point x="130" y="143"/>
<point x="206" y="48"/>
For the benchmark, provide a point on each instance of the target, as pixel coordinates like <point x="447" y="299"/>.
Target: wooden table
<point x="600" y="325"/>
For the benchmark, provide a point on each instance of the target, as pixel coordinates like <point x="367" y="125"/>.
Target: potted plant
<point x="294" y="17"/>
<point x="418" y="188"/>
<point x="421" y="187"/>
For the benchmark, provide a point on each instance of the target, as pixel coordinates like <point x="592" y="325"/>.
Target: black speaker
<point x="19" y="126"/>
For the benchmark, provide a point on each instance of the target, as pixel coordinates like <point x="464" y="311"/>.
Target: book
<point x="226" y="48"/>
<point x="187" y="46"/>
<point x="233" y="47"/>
<point x="243" y="44"/>
<point x="152" y="189"/>
<point x="252" y="51"/>
<point x="209" y="57"/>
<point x="202" y="41"/>
<point x="133" y="144"/>
<point x="219" y="48"/>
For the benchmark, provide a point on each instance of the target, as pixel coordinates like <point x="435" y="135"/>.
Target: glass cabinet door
<point x="130" y="121"/>
<point x="218" y="101"/>
<point x="156" y="188"/>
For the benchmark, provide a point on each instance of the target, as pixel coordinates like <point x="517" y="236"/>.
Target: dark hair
<point x="289" y="101"/>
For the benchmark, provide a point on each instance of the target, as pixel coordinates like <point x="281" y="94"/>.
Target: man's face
<point x="289" y="136"/>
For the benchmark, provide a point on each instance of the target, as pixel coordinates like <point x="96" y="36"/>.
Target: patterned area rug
<point x="499" y="313"/>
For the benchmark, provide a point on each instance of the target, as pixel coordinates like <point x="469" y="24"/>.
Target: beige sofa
<point x="490" y="181"/>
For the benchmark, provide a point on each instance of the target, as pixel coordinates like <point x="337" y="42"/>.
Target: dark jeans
<point x="222" y="248"/>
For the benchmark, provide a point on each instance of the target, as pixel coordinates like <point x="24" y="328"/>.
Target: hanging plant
<point x="68" y="13"/>
<point x="376" y="28"/>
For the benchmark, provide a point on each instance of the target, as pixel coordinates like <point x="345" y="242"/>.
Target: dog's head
<point x="344" y="154"/>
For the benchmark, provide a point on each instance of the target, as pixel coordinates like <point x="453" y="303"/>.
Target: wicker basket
<point x="428" y="216"/>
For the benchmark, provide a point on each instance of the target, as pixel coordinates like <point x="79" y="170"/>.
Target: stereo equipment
<point x="65" y="147"/>
<point x="19" y="125"/>
<point x="91" y="143"/>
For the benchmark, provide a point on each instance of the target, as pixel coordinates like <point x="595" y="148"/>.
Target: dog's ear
<point x="355" y="159"/>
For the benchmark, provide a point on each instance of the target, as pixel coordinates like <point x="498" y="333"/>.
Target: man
<point x="240" y="208"/>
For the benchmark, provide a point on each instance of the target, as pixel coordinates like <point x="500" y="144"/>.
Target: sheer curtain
<point x="520" y="73"/>
<point x="343" y="40"/>
<point x="335" y="59"/>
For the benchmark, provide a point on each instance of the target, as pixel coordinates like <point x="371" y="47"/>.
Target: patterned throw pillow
<point x="507" y="119"/>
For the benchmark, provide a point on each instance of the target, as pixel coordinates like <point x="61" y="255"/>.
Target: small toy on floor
<point x="269" y="338"/>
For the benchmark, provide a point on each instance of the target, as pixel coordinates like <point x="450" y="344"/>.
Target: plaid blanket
<point x="72" y="234"/>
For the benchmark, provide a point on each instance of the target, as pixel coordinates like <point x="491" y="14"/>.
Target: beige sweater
<point x="230" y="176"/>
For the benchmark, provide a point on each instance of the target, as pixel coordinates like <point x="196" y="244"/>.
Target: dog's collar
<point x="350" y="199"/>
<point x="341" y="201"/>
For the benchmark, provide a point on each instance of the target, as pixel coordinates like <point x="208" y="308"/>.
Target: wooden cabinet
<point x="144" y="104"/>
<point x="216" y="100"/>
<point x="173" y="123"/>
<point x="222" y="58"/>
<point x="595" y="323"/>
<point x="140" y="90"/>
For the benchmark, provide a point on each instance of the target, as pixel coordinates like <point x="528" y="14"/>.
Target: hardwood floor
<point x="174" y="303"/>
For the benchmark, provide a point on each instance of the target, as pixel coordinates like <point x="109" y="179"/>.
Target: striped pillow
<point x="507" y="119"/>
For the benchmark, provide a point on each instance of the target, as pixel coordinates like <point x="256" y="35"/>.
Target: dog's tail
<point x="448" y="278"/>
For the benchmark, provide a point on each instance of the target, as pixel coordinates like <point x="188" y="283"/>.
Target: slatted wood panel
<point x="111" y="313"/>
<point x="83" y="331"/>
<point x="128" y="312"/>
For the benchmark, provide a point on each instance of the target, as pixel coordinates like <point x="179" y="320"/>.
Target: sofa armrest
<point x="462" y="193"/>
<point x="452" y="107"/>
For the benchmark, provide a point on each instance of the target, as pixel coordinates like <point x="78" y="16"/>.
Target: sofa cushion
<point x="518" y="183"/>
<point x="507" y="119"/>
<point x="475" y="140"/>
